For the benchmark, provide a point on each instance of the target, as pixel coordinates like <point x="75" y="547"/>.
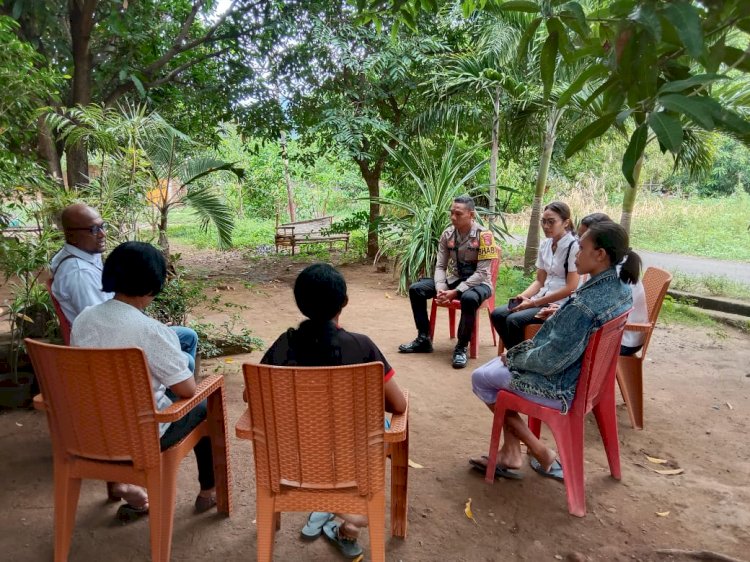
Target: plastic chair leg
<point x="433" y="319"/>
<point x="266" y="519"/>
<point x="452" y="321"/>
<point x="630" y="381"/>
<point x="569" y="439"/>
<point x="474" y="346"/>
<point x="376" y="526"/>
<point x="399" y="486"/>
<point x="220" y="450"/>
<point x="492" y="326"/>
<point x="535" y="425"/>
<point x="497" y="429"/>
<point x="606" y="419"/>
<point x="161" y="512"/>
<point x="67" y="492"/>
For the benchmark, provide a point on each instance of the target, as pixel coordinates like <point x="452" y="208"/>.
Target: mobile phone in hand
<point x="514" y="302"/>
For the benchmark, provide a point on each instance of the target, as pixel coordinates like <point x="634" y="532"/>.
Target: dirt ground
<point x="697" y="390"/>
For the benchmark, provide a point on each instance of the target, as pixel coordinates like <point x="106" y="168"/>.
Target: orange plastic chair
<point x="318" y="444"/>
<point x="595" y="391"/>
<point x="104" y="426"/>
<point x="455" y="305"/>
<point x="630" y="368"/>
<point x="61" y="318"/>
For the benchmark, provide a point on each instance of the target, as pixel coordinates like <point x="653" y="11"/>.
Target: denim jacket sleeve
<point x="558" y="347"/>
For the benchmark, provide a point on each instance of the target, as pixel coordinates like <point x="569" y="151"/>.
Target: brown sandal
<point x="204" y="503"/>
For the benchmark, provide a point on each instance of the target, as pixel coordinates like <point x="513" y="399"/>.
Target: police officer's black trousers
<point x="424" y="289"/>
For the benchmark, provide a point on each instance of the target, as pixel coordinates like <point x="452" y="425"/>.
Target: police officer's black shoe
<point x="422" y="344"/>
<point x="459" y="357"/>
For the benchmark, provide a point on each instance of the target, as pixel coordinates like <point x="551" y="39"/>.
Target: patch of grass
<point x="679" y="311"/>
<point x="710" y="227"/>
<point x="714" y="285"/>
<point x="510" y="282"/>
<point x="248" y="232"/>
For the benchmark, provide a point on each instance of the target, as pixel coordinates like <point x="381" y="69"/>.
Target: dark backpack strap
<point x="54" y="271"/>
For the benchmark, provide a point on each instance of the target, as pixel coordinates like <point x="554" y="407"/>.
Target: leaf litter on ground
<point x="666" y="467"/>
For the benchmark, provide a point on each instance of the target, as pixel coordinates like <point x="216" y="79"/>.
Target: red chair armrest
<point x="243" y="428"/>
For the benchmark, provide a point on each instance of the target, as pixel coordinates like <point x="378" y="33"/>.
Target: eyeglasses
<point x="548" y="222"/>
<point x="93" y="230"/>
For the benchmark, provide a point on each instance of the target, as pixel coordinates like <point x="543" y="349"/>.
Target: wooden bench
<point x="308" y="232"/>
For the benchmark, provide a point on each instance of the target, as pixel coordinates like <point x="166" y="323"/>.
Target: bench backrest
<point x="305" y="227"/>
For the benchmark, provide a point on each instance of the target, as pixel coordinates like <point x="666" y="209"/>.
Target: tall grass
<point x="709" y="227"/>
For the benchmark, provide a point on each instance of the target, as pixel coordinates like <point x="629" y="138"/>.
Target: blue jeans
<point x="188" y="343"/>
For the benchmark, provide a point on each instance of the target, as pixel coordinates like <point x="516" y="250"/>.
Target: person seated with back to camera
<point x="320" y="294"/>
<point x="546" y="368"/>
<point x="556" y="277"/>
<point x="135" y="272"/>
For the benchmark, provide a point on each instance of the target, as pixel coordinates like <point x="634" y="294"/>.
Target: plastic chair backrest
<point x="317" y="427"/>
<point x="99" y="402"/>
<point x="61" y="318"/>
<point x="599" y="364"/>
<point x="655" y="284"/>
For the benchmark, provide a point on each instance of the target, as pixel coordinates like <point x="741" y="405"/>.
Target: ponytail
<point x="630" y="268"/>
<point x="614" y="240"/>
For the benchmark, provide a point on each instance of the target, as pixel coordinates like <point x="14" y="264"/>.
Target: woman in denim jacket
<point x="546" y="368"/>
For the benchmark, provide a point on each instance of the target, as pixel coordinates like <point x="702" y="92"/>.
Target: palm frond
<point x="210" y="209"/>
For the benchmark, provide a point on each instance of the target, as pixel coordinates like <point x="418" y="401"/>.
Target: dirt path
<point x="697" y="391"/>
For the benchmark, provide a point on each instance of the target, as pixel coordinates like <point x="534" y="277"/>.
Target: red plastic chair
<point x="455" y="305"/>
<point x="595" y="391"/>
<point x="64" y="323"/>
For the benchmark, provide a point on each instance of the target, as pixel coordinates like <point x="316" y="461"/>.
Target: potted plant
<point x="23" y="260"/>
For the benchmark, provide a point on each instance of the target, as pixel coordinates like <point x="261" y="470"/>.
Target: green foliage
<point x="730" y="172"/>
<point x="510" y="282"/>
<point x="24" y="259"/>
<point x="228" y="336"/>
<point x="412" y="230"/>
<point x="680" y="311"/>
<point x="714" y="285"/>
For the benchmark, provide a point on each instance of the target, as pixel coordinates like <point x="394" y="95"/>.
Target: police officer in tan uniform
<point x="462" y="272"/>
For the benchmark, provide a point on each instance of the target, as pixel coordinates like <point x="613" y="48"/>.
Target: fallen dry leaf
<point x="228" y="360"/>
<point x="662" y="513"/>
<point x="656" y="460"/>
<point x="729" y="406"/>
<point x="469" y="514"/>
<point x="413" y="464"/>
<point x="669" y="471"/>
<point x="388" y="296"/>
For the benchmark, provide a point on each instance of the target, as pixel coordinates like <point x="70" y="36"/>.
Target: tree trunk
<point x="532" y="238"/>
<point x="81" y="23"/>
<point x="163" y="240"/>
<point x="287" y="178"/>
<point x="628" y="198"/>
<point x="48" y="150"/>
<point x="492" y="195"/>
<point x="372" y="179"/>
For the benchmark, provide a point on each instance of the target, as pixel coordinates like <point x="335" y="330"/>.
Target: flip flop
<point x="348" y="547"/>
<point x="555" y="471"/>
<point x="500" y="471"/>
<point x="127" y="513"/>
<point x="314" y="526"/>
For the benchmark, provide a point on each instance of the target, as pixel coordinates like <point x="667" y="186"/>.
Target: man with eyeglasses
<point x="77" y="268"/>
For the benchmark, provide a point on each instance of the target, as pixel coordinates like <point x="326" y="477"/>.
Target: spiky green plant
<point x="411" y="229"/>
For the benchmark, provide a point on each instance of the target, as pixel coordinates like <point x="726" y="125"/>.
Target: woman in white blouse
<point x="556" y="277"/>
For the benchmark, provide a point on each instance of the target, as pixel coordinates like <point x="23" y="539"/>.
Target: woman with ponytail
<point x="320" y="294"/>
<point x="545" y="369"/>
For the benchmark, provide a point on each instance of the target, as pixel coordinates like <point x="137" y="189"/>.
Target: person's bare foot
<point x="547" y="459"/>
<point x="510" y="458"/>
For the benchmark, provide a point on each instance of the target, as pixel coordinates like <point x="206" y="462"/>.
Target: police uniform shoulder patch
<point x="487" y="248"/>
